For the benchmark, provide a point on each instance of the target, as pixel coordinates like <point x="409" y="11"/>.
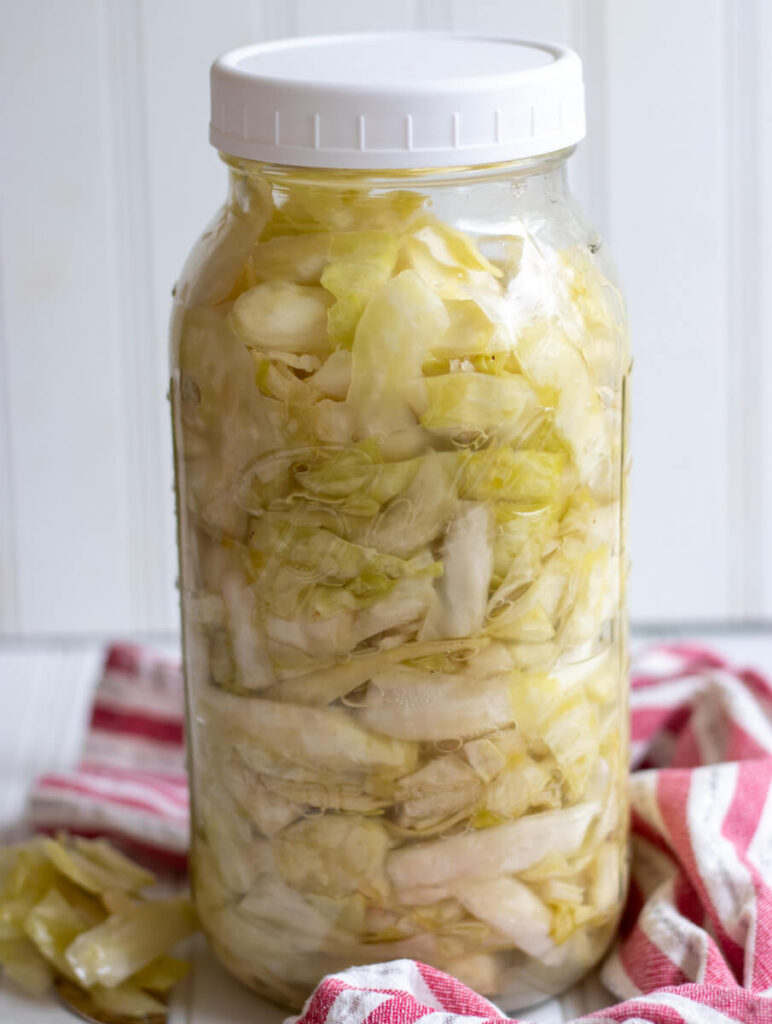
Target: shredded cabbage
<point x="73" y="913"/>
<point x="335" y="856"/>
<point x="467" y="563"/>
<point x="297" y="258"/>
<point x="392" y="339"/>
<point x="512" y="909"/>
<point x="281" y="315"/>
<point x="359" y="263"/>
<point x="436" y="792"/>
<point x="472" y="401"/>
<point x="124" y="944"/>
<point x="400" y="465"/>
<point x="488" y="853"/>
<point x="412" y="704"/>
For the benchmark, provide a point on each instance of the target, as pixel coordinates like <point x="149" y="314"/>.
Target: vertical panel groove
<point x="312" y="17"/>
<point x="432" y="14"/>
<point x="763" y="217"/>
<point x="143" y="402"/>
<point x="516" y="19"/>
<point x="275" y="19"/>
<point x="743" y="313"/>
<point x="9" y="584"/>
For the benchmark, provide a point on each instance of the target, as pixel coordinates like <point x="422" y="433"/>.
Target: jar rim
<point x="350" y="177"/>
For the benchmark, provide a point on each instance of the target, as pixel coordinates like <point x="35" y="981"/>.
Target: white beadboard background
<point x="106" y="178"/>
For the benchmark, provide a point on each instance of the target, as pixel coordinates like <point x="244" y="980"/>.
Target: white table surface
<point x="46" y="689"/>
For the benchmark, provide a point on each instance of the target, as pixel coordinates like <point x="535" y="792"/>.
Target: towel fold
<point x="130" y="784"/>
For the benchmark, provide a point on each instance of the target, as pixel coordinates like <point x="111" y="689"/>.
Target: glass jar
<point x="399" y="405"/>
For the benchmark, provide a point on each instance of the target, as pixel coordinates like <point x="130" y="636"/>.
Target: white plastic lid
<point x="396" y="100"/>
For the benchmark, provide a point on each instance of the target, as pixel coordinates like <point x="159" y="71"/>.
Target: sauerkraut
<point x="400" y="468"/>
<point x="74" y="915"/>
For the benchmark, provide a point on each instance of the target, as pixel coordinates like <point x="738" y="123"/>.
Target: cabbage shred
<point x="400" y="468"/>
<point x="74" y="915"/>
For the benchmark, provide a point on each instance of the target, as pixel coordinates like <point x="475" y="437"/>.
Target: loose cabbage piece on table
<point x="74" y="912"/>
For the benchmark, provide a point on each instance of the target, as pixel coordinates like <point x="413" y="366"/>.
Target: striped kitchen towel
<point x="130" y="783"/>
<point x="696" y="940"/>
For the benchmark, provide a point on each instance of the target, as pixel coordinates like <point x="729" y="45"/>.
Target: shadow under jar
<point x="399" y="404"/>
